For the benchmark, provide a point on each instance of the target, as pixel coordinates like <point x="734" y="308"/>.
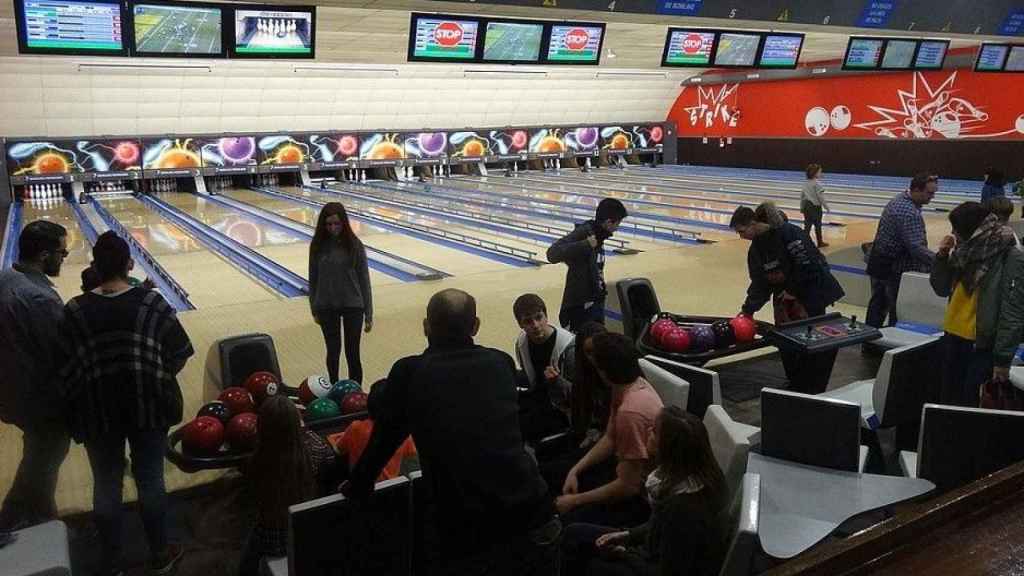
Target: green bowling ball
<point x="322" y="408"/>
<point x="341" y="388"/>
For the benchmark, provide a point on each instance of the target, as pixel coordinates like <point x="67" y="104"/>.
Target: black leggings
<point x="812" y="218"/>
<point x="331" y="326"/>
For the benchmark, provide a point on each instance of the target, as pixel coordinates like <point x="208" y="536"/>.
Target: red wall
<point x="944" y="105"/>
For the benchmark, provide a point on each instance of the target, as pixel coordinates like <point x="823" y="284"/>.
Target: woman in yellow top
<point x="982" y="274"/>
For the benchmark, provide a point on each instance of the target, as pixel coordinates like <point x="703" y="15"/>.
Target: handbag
<point x="1001" y="396"/>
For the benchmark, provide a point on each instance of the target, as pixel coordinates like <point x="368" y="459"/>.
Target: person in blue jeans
<point x="123" y="347"/>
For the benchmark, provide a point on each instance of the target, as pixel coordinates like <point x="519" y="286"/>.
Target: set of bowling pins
<point x="552" y="164"/>
<point x="354" y="175"/>
<point x="108" y="187"/>
<point x="43" y="191"/>
<point x="511" y="169"/>
<point x="266" y="180"/>
<point x="164" y="185"/>
<point x="219" y="183"/>
<point x="276" y="26"/>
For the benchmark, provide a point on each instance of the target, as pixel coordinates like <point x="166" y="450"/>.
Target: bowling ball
<point x="724" y="335"/>
<point x="241" y="432"/>
<point x="322" y="408"/>
<point x="51" y="163"/>
<point x="261" y="385"/>
<point x="178" y="158"/>
<point x="348" y="145"/>
<point x="216" y="409"/>
<point x="237" y="150"/>
<point x="744" y="328"/>
<point x="550" y="144"/>
<point x="660" y="328"/>
<point x="433" y="143"/>
<point x="386" y="150"/>
<point x="586" y="136"/>
<point x="343" y="387"/>
<point x="316" y="386"/>
<point x="238" y="400"/>
<point x="619" y="142"/>
<point x="203" y="436"/>
<point x="657" y="134"/>
<point x="353" y="402"/>
<point x="519" y="139"/>
<point x="677" y="339"/>
<point x="473" y="148"/>
<point x="702" y="338"/>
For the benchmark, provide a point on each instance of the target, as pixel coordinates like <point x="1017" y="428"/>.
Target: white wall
<point x="50" y="96"/>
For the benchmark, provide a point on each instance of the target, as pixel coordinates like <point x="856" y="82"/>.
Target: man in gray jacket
<point x="583" y="251"/>
<point x="30" y="317"/>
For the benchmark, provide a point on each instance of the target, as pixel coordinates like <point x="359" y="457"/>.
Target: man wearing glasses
<point x="31" y="312"/>
<point x="901" y="245"/>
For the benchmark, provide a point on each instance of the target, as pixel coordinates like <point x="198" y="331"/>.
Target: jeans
<point x="331" y="322"/>
<point x="812" y="218"/>
<point x="964" y="370"/>
<point x="883" y="301"/>
<point x="533" y="554"/>
<point x="106" y="458"/>
<point x="574" y="317"/>
<point x="580" y="556"/>
<point x="31" y="497"/>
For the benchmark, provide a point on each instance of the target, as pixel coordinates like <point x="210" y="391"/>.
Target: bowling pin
<point x="558" y="164"/>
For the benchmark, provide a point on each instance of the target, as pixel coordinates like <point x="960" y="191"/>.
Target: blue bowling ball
<point x="341" y="388"/>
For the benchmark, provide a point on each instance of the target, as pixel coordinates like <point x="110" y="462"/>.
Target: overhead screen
<point x="864" y="53"/>
<point x="736" y="50"/>
<point x="440" y="38"/>
<point x="699" y="48"/>
<point x="1015" y="61"/>
<point x="931" y="54"/>
<point x="688" y="48"/>
<point x="991" y="57"/>
<point x="576" y="44"/>
<point x="274" y="32"/>
<point x="506" y="41"/>
<point x="899" y="55"/>
<point x="781" y="51"/>
<point x="70" y="27"/>
<point x="173" y="29"/>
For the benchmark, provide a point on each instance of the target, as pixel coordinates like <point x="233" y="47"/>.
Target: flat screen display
<point x="512" y="42"/>
<point x="579" y="44"/>
<point x="171" y="153"/>
<point x="688" y="48"/>
<point x="991" y="57"/>
<point x="899" y="54"/>
<point x="737" y="50"/>
<point x="468" y="145"/>
<point x="863" y="53"/>
<point x="931" y="54"/>
<point x="177" y="30"/>
<point x="271" y="32"/>
<point x="425" y="144"/>
<point x="582" y="140"/>
<point x="229" y="151"/>
<point x="41" y="158"/>
<point x="70" y="27"/>
<point x="1015" y="60"/>
<point x="781" y="51"/>
<point x="381" y="146"/>
<point x="335" y="147"/>
<point x="443" y="38"/>
<point x="107" y="155"/>
<point x="282" y="150"/>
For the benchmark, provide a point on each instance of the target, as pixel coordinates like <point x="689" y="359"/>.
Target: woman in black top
<point x="339" y="288"/>
<point x="689" y="526"/>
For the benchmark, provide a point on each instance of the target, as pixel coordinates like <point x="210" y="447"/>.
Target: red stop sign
<point x="448" y="34"/>
<point x="576" y="39"/>
<point x="692" y="43"/>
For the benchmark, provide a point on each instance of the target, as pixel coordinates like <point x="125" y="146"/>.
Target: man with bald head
<point x="488" y="512"/>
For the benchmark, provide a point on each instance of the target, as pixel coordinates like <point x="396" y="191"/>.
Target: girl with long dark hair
<point x="590" y="397"/>
<point x="285" y="470"/>
<point x="689" y="526"/>
<point x="339" y="288"/>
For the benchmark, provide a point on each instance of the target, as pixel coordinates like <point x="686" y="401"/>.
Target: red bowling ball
<point x="241" y="432"/>
<point x="238" y="400"/>
<point x="745" y="328"/>
<point x="660" y="328"/>
<point x="353" y="402"/>
<point x="261" y="385"/>
<point x="203" y="436"/>
<point x="676" y="340"/>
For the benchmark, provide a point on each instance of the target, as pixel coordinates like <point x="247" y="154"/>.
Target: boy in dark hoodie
<point x="582" y="250"/>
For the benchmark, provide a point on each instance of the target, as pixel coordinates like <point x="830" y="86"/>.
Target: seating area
<point x="40" y="550"/>
<point x="920" y="317"/>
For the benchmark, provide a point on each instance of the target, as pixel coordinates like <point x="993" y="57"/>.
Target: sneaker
<point x="166" y="562"/>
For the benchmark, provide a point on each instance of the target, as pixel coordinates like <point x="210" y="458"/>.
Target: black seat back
<point x="959" y="445"/>
<point x="810" y="429"/>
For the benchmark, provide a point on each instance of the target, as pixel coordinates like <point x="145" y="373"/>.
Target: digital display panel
<point x="991" y="57"/>
<point x="177" y="30"/>
<point x="70" y="27"/>
<point x="863" y="53"/>
<point x="381" y="146"/>
<point x="229" y="151"/>
<point x="282" y="149"/>
<point x="272" y="32"/>
<point x="688" y="48"/>
<point x="579" y="44"/>
<point x="737" y="50"/>
<point x="899" y="54"/>
<point x="781" y="50"/>
<point x="442" y="38"/>
<point x="171" y="153"/>
<point x="425" y="144"/>
<point x="512" y="42"/>
<point x="931" y="54"/>
<point x="1015" y="60"/>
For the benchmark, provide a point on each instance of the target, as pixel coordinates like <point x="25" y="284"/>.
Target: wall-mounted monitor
<point x="931" y="54"/>
<point x="575" y="43"/>
<point x="86" y="27"/>
<point x="512" y="41"/>
<point x="863" y="53"/>
<point x="1015" y="60"/>
<point x="781" y="51"/>
<point x="899" y="54"/>
<point x="688" y="48"/>
<point x="991" y="57"/>
<point x="736" y="50"/>
<point x="178" y="29"/>
<point x="441" y="38"/>
<point x="274" y="31"/>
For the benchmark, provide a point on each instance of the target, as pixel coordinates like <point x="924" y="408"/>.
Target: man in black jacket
<point x="488" y="508"/>
<point x="583" y="251"/>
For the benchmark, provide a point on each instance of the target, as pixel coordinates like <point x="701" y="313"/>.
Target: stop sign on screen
<point x="692" y="43"/>
<point x="576" y="39"/>
<point x="448" y="34"/>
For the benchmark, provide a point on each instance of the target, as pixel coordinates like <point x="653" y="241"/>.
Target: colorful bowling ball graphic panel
<point x="282" y="150"/>
<point x="425" y="144"/>
<point x="171" y="154"/>
<point x="40" y="158"/>
<point x="511" y="141"/>
<point x="648" y="136"/>
<point x="582" y="139"/>
<point x="332" y="147"/>
<point x="616" y="138"/>
<point x="548" y="141"/>
<point x="108" y="155"/>
<point x="468" y="145"/>
<point x="382" y="146"/>
<point x="229" y="151"/>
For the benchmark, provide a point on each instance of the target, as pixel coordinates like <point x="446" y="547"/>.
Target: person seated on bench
<point x="351" y="442"/>
<point x="539" y="348"/>
<point x="283" y="471"/>
<point x="615" y="501"/>
<point x="982" y="273"/>
<point x="488" y="507"/>
<point x="690" y="523"/>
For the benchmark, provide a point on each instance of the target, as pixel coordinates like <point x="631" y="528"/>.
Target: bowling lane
<point x="69" y="283"/>
<point x="443" y="258"/>
<point x="209" y="279"/>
